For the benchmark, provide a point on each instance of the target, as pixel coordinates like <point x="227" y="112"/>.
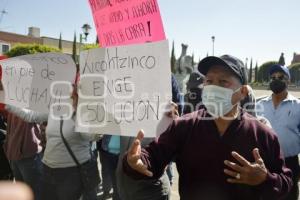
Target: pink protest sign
<point x="122" y="22"/>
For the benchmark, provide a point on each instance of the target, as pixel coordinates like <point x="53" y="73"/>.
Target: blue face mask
<point x="217" y="100"/>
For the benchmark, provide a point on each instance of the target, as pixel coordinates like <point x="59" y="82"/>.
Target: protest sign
<point x="124" y="89"/>
<point x="122" y="22"/>
<point x="37" y="81"/>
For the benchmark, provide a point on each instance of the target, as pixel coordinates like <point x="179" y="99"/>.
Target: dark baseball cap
<point x="279" y="68"/>
<point x="231" y="62"/>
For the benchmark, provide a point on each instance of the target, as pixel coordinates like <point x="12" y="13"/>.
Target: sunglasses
<point x="273" y="78"/>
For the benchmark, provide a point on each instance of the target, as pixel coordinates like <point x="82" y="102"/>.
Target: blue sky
<point x="260" y="29"/>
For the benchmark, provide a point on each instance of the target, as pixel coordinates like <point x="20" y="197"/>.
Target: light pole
<point x="86" y="30"/>
<point x="213" y="44"/>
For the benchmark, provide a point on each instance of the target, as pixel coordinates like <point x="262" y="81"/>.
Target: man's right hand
<point x="134" y="156"/>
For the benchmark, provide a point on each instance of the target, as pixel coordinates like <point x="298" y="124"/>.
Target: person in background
<point x="5" y="171"/>
<point x="177" y="96"/>
<point x="221" y="151"/>
<point x="178" y="99"/>
<point x="194" y="87"/>
<point x="23" y="148"/>
<point x="109" y="155"/>
<point x="61" y="177"/>
<point x="282" y="110"/>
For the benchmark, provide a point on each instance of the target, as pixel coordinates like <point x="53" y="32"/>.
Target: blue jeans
<point x="29" y="170"/>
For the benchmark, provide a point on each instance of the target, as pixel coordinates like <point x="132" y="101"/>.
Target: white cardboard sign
<point x="125" y="89"/>
<point x="38" y="81"/>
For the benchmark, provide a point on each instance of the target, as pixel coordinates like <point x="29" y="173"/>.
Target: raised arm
<point x="27" y="115"/>
<point x="142" y="163"/>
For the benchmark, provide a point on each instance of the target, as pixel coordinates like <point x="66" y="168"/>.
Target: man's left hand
<point x="246" y="172"/>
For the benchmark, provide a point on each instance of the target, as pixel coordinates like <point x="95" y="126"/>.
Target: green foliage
<point x="295" y="72"/>
<point x="90" y="46"/>
<point x="193" y="62"/>
<point x="24" y="49"/>
<point x="250" y="72"/>
<point x="263" y="71"/>
<point x="173" y="59"/>
<point x="60" y="42"/>
<point x="256" y="73"/>
<point x="74" y="50"/>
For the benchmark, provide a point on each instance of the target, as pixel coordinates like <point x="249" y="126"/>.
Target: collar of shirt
<point x="288" y="98"/>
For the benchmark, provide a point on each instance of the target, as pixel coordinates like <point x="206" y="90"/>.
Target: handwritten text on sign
<point x="27" y="80"/>
<point x="121" y="22"/>
<point x="123" y="89"/>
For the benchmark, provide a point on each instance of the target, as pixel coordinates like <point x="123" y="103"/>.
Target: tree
<point x="250" y="72"/>
<point x="24" y="49"/>
<point x="263" y="71"/>
<point x="60" y="42"/>
<point x="193" y="62"/>
<point x="74" y="51"/>
<point x="256" y="72"/>
<point x="295" y="73"/>
<point x="97" y="40"/>
<point x="281" y="60"/>
<point x="173" y="59"/>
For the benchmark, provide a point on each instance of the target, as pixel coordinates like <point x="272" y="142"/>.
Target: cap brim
<point x="210" y="61"/>
<point x="276" y="69"/>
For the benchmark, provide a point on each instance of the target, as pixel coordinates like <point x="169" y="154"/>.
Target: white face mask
<point x="217" y="100"/>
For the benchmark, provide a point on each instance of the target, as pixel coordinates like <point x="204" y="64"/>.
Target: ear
<point x="240" y="94"/>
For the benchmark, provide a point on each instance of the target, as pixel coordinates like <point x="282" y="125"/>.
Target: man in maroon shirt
<point x="221" y="152"/>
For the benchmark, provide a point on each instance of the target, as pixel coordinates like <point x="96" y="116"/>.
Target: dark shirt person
<point x="176" y="95"/>
<point x="193" y="98"/>
<point x="221" y="151"/>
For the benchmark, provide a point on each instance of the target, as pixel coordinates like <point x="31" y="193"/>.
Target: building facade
<point x="9" y="40"/>
<point x="296" y="58"/>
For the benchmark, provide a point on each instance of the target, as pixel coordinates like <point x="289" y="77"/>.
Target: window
<point x="5" y="48"/>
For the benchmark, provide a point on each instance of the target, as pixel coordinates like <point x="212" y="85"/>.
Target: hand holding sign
<point x="134" y="156"/>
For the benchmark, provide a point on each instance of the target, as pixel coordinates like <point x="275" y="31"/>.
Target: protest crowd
<point x="122" y="125"/>
<point x="225" y="145"/>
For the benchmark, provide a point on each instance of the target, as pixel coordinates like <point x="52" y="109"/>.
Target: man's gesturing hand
<point x="246" y="172"/>
<point x="134" y="156"/>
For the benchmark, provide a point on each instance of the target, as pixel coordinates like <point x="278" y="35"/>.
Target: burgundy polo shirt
<point x="200" y="151"/>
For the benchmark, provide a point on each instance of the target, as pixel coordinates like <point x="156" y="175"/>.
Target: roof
<point x="17" y="38"/>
